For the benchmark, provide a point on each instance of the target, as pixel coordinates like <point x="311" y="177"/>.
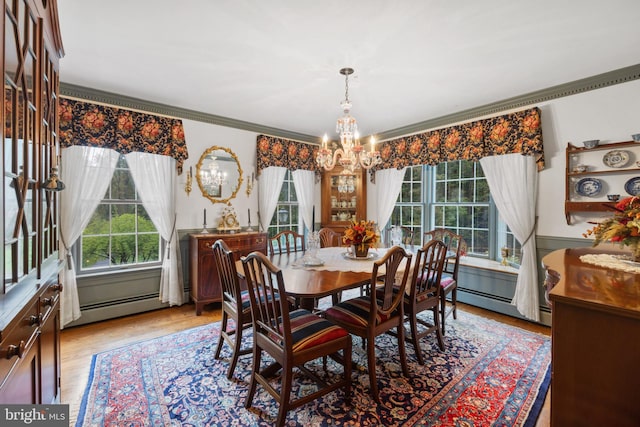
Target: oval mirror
<point x="219" y="174"/>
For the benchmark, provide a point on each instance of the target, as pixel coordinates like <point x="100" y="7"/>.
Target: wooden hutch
<point x="344" y="198"/>
<point x="30" y="293"/>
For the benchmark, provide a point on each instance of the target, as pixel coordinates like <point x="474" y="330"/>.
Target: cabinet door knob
<point x="13" y="350"/>
<point x="57" y="287"/>
<point x="46" y="302"/>
<point x="34" y="320"/>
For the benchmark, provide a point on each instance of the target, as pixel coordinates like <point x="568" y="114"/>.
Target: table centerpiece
<point x="361" y="235"/>
<point x="622" y="228"/>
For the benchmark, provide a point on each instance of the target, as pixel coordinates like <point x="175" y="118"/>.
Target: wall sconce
<point x="187" y="187"/>
<point x="250" y="183"/>
<point x="53" y="183"/>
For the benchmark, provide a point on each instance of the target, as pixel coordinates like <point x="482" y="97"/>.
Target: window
<point x="286" y="216"/>
<point x="454" y="195"/>
<point x="120" y="233"/>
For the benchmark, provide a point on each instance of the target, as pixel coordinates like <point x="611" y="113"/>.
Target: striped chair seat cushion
<point x="309" y="330"/>
<point x="407" y="296"/>
<point x="246" y="301"/>
<point x="446" y="282"/>
<point x="354" y="311"/>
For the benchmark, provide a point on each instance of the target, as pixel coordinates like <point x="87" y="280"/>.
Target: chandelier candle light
<point x="352" y="155"/>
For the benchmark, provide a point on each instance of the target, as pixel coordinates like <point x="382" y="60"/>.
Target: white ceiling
<point x="276" y="63"/>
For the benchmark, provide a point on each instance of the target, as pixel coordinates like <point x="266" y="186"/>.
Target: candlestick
<point x="313" y="219"/>
<point x="249" y="215"/>
<point x="204" y="225"/>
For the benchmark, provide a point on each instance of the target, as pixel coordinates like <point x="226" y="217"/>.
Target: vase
<point x="361" y="250"/>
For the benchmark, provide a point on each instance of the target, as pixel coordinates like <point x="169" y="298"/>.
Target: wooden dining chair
<point x="291" y="339"/>
<point x="235" y="305"/>
<point x="456" y="247"/>
<point x="286" y="242"/>
<point x="329" y="238"/>
<point x="368" y="316"/>
<point x="423" y="293"/>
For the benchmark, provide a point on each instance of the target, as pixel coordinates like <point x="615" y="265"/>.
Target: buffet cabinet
<point x="205" y="285"/>
<point x="30" y="291"/>
<point x="595" y="356"/>
<point x="594" y="174"/>
<point x="344" y="198"/>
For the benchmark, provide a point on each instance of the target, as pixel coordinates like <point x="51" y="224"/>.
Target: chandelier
<point x="352" y="155"/>
<point x="213" y="176"/>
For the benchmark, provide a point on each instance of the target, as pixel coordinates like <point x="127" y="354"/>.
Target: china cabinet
<point x="30" y="292"/>
<point x="344" y="198"/>
<point x="594" y="174"/>
<point x="204" y="282"/>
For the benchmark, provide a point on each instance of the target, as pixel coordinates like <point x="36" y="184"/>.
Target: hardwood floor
<point x="78" y="344"/>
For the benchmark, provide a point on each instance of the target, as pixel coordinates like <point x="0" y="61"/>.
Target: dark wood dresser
<point x="595" y="342"/>
<point x="204" y="284"/>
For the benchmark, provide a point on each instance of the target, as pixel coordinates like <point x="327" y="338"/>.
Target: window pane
<point x="482" y="191"/>
<point x="416" y="193"/>
<point x="123" y="249"/>
<point x="123" y="219"/>
<point x="466" y="191"/>
<point x="481" y="217"/>
<point x="452" y="192"/>
<point x="440" y="192"/>
<point x="148" y="247"/>
<point x="481" y="242"/>
<point x="144" y="222"/>
<point x="451" y="217"/>
<point x="99" y="223"/>
<point x="95" y="252"/>
<point x="122" y="187"/>
<point x="465" y="217"/>
<point x="467" y="170"/>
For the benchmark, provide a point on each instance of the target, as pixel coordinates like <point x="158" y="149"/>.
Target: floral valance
<point x="294" y="155"/>
<point x="125" y="131"/>
<point x="519" y="132"/>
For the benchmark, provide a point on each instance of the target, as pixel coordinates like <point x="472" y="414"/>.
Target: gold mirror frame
<point x="204" y="191"/>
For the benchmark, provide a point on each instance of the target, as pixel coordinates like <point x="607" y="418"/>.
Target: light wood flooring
<point x="79" y="343"/>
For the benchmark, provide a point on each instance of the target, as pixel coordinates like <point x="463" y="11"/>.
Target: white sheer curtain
<point x="388" y="186"/>
<point x="155" y="180"/>
<point x="303" y="181"/>
<point x="269" y="186"/>
<point x="86" y="172"/>
<point x="513" y="182"/>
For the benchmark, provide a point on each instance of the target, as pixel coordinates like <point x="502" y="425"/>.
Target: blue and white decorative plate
<point x="589" y="187"/>
<point x="633" y="186"/>
<point x="616" y="158"/>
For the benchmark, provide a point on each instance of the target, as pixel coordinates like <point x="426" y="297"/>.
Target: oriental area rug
<point x="489" y="374"/>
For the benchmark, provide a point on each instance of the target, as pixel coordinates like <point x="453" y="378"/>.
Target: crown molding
<point x="599" y="81"/>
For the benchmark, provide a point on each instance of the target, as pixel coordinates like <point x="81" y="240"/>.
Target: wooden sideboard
<point x="204" y="283"/>
<point x="595" y="342"/>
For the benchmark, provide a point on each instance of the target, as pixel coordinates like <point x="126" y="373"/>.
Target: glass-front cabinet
<point x="344" y="197"/>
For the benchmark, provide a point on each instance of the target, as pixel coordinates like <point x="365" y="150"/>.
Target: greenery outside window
<point x="120" y="233"/>
<point x="286" y="216"/>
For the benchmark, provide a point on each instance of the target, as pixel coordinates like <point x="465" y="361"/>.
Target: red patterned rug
<point x="489" y="374"/>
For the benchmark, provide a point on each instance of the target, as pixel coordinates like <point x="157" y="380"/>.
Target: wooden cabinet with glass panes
<point x="30" y="292"/>
<point x="344" y="197"/>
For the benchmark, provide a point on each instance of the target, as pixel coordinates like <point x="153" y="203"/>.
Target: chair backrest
<point x="286" y="242"/>
<point x="427" y="269"/>
<point x="329" y="238"/>
<point x="456" y="247"/>
<point x="269" y="311"/>
<point x="389" y="300"/>
<point x="227" y="272"/>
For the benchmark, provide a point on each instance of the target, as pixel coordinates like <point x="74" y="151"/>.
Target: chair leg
<point x="371" y="362"/>
<point x="223" y="329"/>
<point x="346" y="364"/>
<point x="403" y="351"/>
<point x="236" y="348"/>
<point x="443" y="309"/>
<point x="257" y="354"/>
<point x="414" y="338"/>
<point x="454" y="301"/>
<point x="285" y="392"/>
<point x="436" y="320"/>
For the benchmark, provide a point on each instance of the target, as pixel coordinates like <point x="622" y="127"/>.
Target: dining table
<point x="328" y="271"/>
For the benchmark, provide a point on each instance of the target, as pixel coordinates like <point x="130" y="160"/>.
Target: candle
<point x="249" y="215"/>
<point x="324" y="141"/>
<point x="313" y="219"/>
<point x="373" y="144"/>
<point x="205" y="216"/>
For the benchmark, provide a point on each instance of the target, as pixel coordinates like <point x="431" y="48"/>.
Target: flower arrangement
<point x="623" y="227"/>
<point x="361" y="233"/>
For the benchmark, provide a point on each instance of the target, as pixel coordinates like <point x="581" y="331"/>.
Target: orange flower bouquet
<point x="623" y="227"/>
<point x="361" y="235"/>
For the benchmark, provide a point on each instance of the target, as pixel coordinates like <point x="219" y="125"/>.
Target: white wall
<point x="610" y="114"/>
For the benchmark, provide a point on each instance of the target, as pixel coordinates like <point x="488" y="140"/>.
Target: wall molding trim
<point x="622" y="75"/>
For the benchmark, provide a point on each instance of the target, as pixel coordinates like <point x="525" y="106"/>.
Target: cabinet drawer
<point x="20" y="335"/>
